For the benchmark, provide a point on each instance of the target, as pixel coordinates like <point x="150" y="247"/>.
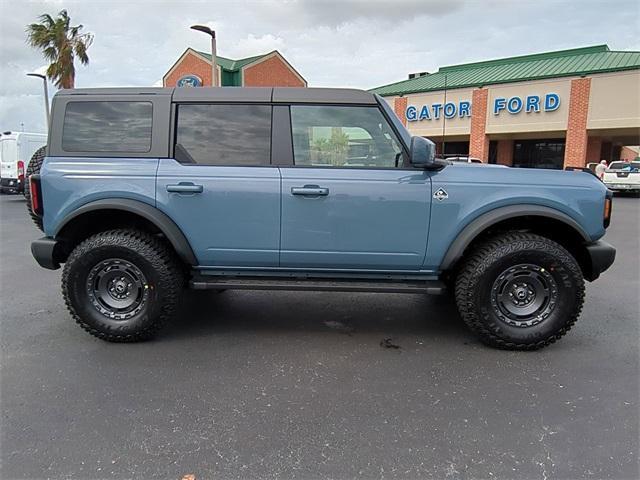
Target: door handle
<point x="310" y="190"/>
<point x="185" y="187"/>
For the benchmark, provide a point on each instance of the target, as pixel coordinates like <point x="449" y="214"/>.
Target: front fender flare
<point x="167" y="226"/>
<point x="484" y="221"/>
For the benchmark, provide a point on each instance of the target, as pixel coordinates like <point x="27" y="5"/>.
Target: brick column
<point x="594" y="147"/>
<point x="400" y="107"/>
<point x="505" y="152"/>
<point x="575" y="153"/>
<point x="478" y="140"/>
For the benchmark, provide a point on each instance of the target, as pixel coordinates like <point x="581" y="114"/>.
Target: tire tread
<point x="162" y="259"/>
<point x="35" y="164"/>
<point x="491" y="251"/>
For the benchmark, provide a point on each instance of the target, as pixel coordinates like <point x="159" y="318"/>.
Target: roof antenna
<point x="444" y="116"/>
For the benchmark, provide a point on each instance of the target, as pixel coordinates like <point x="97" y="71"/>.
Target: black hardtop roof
<point x="238" y="94"/>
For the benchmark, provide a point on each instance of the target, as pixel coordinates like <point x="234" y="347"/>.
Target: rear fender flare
<point x="167" y="226"/>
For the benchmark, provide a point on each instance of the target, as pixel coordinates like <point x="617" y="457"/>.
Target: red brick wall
<point x="190" y="64"/>
<point x="273" y="72"/>
<point x="594" y="147"/>
<point x="628" y="154"/>
<point x="575" y="154"/>
<point x="400" y="107"/>
<point x="505" y="152"/>
<point x="478" y="141"/>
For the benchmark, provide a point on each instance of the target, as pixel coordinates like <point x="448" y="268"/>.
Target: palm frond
<point x="60" y="44"/>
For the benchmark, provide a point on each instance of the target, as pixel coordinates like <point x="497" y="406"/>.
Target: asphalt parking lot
<point x="297" y="385"/>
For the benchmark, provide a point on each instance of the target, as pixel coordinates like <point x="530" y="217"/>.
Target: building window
<point x="493" y="151"/>
<point x="539" y="153"/>
<point x="224" y="134"/>
<point x="453" y="149"/>
<point x="107" y="127"/>
<point x="327" y="136"/>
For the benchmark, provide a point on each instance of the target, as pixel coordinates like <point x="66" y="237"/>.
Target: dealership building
<point x="546" y="110"/>
<point x="193" y="69"/>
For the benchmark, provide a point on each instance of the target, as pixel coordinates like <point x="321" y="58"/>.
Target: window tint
<point x="224" y="134"/>
<point x="107" y="127"/>
<point x="343" y="137"/>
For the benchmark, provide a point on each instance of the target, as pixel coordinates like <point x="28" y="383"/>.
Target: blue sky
<point x="330" y="42"/>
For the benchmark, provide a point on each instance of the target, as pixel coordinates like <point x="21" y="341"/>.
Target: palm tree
<point x="60" y="44"/>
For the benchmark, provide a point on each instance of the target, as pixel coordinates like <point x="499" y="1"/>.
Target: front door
<point x="350" y="202"/>
<point x="220" y="188"/>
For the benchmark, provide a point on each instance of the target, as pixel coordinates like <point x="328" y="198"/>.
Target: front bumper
<point x="601" y="256"/>
<point x="45" y="251"/>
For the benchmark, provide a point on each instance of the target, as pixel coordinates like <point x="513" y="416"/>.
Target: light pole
<point x="214" y="68"/>
<point x="46" y="94"/>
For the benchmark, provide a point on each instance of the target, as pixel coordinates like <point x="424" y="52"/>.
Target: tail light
<point x="20" y="170"/>
<point x="36" y="194"/>
<point x="608" y="205"/>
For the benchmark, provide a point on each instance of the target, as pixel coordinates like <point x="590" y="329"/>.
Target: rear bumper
<point x="11" y="184"/>
<point x="601" y="255"/>
<point x="44" y="251"/>
<point x="622" y="186"/>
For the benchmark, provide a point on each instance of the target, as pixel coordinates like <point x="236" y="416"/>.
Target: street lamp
<point x="46" y="94"/>
<point x="214" y="68"/>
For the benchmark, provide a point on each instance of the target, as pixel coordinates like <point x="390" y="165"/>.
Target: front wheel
<point x="520" y="291"/>
<point x="122" y="285"/>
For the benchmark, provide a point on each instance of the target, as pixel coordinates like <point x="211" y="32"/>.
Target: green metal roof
<point x="231" y="65"/>
<point x="562" y="63"/>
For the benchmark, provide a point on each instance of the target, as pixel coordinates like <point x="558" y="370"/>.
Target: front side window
<point x="107" y="127"/>
<point x="224" y="134"/>
<point x="331" y="136"/>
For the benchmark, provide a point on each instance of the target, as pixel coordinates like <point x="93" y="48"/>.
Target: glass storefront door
<point x="548" y="153"/>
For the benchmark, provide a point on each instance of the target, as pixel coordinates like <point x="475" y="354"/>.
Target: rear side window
<point x="224" y="134"/>
<point x="107" y="127"/>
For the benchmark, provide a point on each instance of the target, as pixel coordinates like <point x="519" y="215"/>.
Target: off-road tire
<point x="484" y="268"/>
<point x="146" y="254"/>
<point x="34" y="167"/>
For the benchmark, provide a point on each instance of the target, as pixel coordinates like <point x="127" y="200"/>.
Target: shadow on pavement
<point x="210" y="313"/>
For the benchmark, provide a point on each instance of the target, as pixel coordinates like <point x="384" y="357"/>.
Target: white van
<point x="16" y="150"/>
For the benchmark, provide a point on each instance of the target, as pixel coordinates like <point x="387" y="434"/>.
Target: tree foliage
<point x="60" y="44"/>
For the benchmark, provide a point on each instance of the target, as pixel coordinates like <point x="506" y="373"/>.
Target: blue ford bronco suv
<point x="143" y="191"/>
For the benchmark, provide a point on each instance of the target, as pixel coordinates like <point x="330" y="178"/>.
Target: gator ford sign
<point x="436" y="110"/>
<point x="513" y="105"/>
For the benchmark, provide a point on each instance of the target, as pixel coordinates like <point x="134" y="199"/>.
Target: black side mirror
<point x="423" y="152"/>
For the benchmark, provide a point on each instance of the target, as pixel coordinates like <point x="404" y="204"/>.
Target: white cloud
<point x="252" y="45"/>
<point x="358" y="43"/>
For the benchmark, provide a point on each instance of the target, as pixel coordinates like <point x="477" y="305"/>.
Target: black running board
<point x="432" y="287"/>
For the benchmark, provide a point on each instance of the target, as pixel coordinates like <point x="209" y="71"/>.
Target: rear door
<point x="220" y="187"/>
<point x="9" y="157"/>
<point x="350" y="201"/>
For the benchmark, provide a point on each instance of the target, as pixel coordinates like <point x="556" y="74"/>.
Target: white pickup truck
<point x="623" y="176"/>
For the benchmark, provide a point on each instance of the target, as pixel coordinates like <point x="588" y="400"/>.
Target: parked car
<point x="461" y="158"/>
<point x="15" y="151"/>
<point x="267" y="188"/>
<point x="623" y="176"/>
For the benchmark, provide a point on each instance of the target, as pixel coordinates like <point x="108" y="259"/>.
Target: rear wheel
<point x="122" y="285"/>
<point x="34" y="167"/>
<point x="520" y="291"/>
